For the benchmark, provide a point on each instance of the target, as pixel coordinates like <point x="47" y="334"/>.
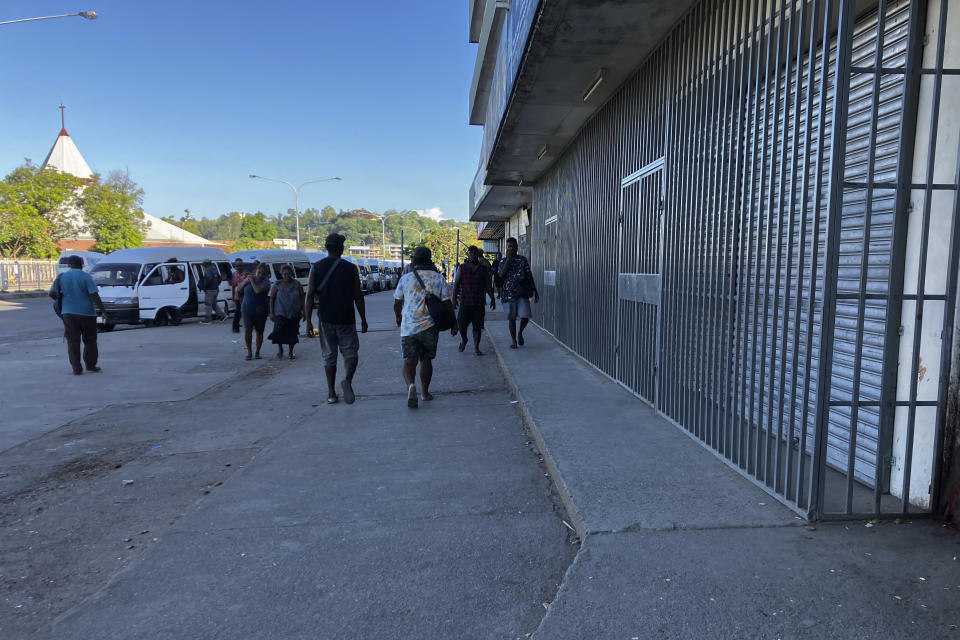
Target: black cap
<point x="335" y="240"/>
<point x="422" y="255"/>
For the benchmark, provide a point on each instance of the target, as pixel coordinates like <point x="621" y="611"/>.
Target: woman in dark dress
<point x="286" y="311"/>
<point x="256" y="290"/>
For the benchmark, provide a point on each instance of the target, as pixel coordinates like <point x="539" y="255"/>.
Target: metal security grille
<point x="638" y="280"/>
<point x="762" y="308"/>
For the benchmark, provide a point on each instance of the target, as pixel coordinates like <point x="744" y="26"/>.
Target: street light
<point x="87" y="15"/>
<point x="383" y="231"/>
<point x="296" y="194"/>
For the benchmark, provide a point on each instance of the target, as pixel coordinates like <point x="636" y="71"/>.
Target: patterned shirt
<point x="474" y="281"/>
<point x="517" y="274"/>
<point x="416" y="317"/>
<point x="235" y="281"/>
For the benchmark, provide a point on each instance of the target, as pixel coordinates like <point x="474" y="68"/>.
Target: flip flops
<point x="348" y="395"/>
<point x="412" y="401"/>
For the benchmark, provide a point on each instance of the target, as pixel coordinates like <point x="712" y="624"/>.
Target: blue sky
<point x="191" y="97"/>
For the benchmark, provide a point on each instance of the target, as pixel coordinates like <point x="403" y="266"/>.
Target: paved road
<point x="199" y="495"/>
<point x="28" y="318"/>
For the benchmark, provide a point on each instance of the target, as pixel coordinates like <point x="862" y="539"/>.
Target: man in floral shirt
<point x="418" y="333"/>
<point x="515" y="292"/>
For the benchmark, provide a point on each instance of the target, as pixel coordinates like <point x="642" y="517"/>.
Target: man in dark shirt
<point x="336" y="285"/>
<point x="470" y="288"/>
<point x="515" y="292"/>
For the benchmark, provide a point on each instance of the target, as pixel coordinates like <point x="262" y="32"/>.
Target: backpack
<point x="58" y="301"/>
<point x="443" y="317"/>
<point x="211" y="283"/>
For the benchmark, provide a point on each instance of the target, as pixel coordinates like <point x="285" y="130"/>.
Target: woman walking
<point x="286" y="310"/>
<point x="256" y="289"/>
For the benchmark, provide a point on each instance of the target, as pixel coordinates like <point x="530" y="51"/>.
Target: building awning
<point x="490" y="230"/>
<point x="578" y="54"/>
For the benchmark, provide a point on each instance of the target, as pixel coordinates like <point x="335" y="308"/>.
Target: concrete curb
<point x="555" y="477"/>
<point x="13" y="295"/>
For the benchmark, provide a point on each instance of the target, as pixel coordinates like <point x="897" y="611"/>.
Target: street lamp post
<point x="88" y="15"/>
<point x="296" y="195"/>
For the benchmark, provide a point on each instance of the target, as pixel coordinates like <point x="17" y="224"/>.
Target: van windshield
<point x="115" y="275"/>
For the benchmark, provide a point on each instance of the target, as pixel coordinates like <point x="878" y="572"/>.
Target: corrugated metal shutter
<point x="771" y="363"/>
<point x="852" y="237"/>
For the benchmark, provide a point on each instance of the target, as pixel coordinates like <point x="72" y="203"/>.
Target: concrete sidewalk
<point x="358" y="521"/>
<point x="678" y="545"/>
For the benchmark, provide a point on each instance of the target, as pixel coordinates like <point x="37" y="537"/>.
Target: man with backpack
<point x="423" y="308"/>
<point x="336" y="285"/>
<point x="515" y="291"/>
<point x="211" y="289"/>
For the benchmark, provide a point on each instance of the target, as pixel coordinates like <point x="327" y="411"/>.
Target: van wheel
<point x="107" y="327"/>
<point x="168" y="318"/>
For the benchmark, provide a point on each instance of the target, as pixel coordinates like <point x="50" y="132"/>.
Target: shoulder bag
<point x="58" y="301"/>
<point x="442" y="316"/>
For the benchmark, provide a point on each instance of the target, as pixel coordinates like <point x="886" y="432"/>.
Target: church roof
<point x="65" y="157"/>
<point x="162" y="232"/>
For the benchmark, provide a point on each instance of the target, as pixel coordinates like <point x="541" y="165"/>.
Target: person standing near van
<point x="211" y="290"/>
<point x="336" y="285"/>
<point x="256" y="289"/>
<point x="286" y="310"/>
<point x="80" y="294"/>
<point x="236" y="282"/>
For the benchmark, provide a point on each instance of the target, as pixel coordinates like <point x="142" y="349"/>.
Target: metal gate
<point x="794" y="308"/>
<point x="638" y="280"/>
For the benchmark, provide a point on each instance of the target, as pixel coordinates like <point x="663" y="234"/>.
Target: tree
<point x="113" y="209"/>
<point x="36" y="210"/>
<point x="256" y="227"/>
<point x="245" y="244"/>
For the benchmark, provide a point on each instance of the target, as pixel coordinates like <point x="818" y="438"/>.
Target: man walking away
<point x="336" y="285"/>
<point x="418" y="333"/>
<point x="515" y="291"/>
<point x="239" y="276"/>
<point x="211" y="289"/>
<point x="469" y="287"/>
<point x="79" y="317"/>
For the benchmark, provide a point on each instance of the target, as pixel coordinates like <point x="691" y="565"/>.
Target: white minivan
<point x="89" y="258"/>
<point x="275" y="259"/>
<point x="156" y="285"/>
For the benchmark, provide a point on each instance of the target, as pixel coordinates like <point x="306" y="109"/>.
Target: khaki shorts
<point x="334" y="336"/>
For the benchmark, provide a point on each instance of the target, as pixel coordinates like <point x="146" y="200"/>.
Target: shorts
<point x="420" y="345"/>
<point x="256" y="320"/>
<point x="470" y="313"/>
<point x="518" y="308"/>
<point x="333" y="336"/>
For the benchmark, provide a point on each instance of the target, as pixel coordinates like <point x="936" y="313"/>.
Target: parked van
<point x="377" y="276"/>
<point x="361" y="264"/>
<point x="89" y="258"/>
<point x="275" y="259"/>
<point x="393" y="273"/>
<point x="155" y="285"/>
